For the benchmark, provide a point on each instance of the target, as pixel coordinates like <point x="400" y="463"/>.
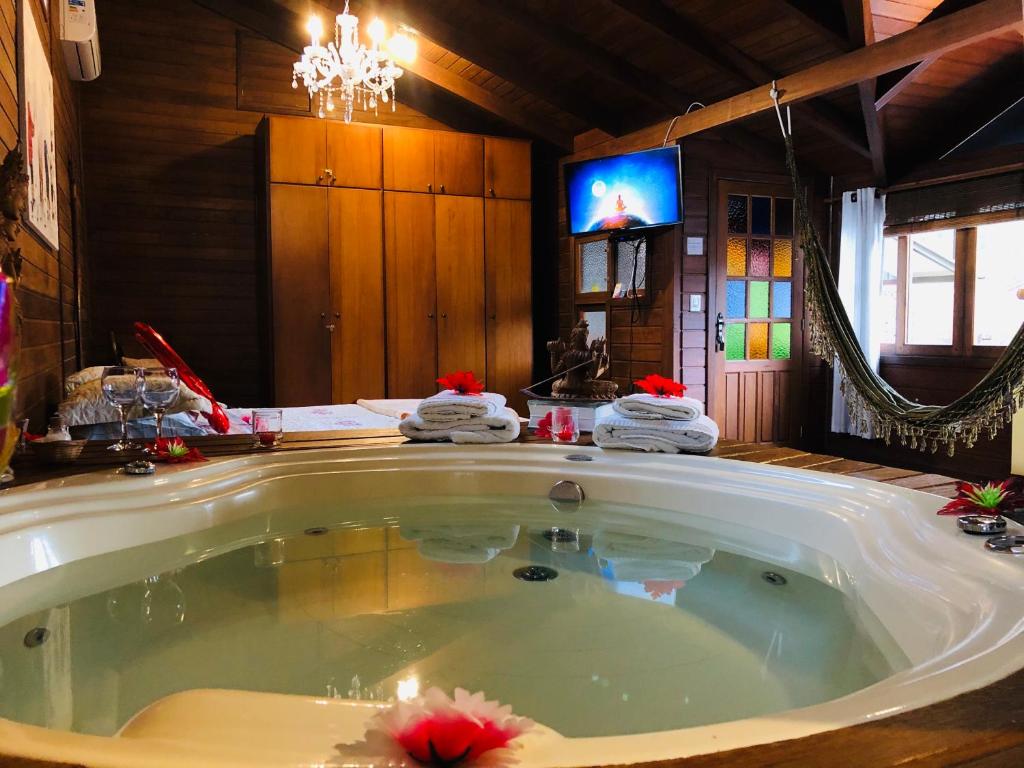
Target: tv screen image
<point x="641" y="189"/>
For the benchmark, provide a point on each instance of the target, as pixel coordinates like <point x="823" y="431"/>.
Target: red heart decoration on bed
<point x="168" y="358"/>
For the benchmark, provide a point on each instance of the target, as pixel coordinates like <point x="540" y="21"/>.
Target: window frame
<point x="965" y="250"/>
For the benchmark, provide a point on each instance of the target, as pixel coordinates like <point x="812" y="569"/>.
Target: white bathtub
<point x="955" y="610"/>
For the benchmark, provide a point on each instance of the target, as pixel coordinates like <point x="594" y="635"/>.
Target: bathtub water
<point x="256" y="611"/>
<point x="641" y="630"/>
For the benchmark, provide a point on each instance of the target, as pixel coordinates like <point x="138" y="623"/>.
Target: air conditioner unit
<point x="80" y="38"/>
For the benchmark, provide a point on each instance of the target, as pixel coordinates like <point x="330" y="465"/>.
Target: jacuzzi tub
<point x="954" y="610"/>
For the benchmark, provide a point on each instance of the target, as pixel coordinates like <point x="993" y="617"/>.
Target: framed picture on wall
<point x="37" y="129"/>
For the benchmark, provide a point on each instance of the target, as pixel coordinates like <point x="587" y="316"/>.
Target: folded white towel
<point x="500" y="428"/>
<point x="612" y="430"/>
<point x="644" y="406"/>
<point x="448" y="406"/>
<point x="631" y="569"/>
<point x="614" y="544"/>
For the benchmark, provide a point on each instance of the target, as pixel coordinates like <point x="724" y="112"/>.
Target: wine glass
<point x="159" y="391"/>
<point x="122" y="387"/>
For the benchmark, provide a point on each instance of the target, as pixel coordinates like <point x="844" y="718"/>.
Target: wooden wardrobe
<point x="395" y="256"/>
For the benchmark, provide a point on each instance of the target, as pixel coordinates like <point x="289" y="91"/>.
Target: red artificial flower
<point x="659" y="386"/>
<point x="988" y="499"/>
<point x="660" y="587"/>
<point x="174" y="451"/>
<point x="568" y="431"/>
<point x="544" y="426"/>
<point x="462" y="383"/>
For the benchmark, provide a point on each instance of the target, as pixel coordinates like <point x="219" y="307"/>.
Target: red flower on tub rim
<point x="659" y="386"/>
<point x="462" y="383"/>
<point x="174" y="451"/>
<point x="544" y="425"/>
<point x="987" y="499"/>
<point x="442" y="732"/>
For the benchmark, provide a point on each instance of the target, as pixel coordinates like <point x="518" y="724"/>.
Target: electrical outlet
<point x="695" y="302"/>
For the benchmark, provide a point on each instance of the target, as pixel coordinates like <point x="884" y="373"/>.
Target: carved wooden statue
<point x="582" y="363"/>
<point x="13" y="199"/>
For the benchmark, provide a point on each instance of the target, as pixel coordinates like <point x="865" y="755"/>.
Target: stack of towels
<point x="652" y="423"/>
<point x="449" y="416"/>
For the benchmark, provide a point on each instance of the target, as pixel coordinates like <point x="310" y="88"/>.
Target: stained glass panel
<point x="783" y="217"/>
<point x="758" y="299"/>
<point x="736" y="256"/>
<point x="781" y="333"/>
<point x="760" y="215"/>
<point x="737" y="209"/>
<point x="735" y="341"/>
<point x="735" y="298"/>
<point x="782" y="298"/>
<point x="783" y="258"/>
<point x="625" y="251"/>
<point x="759" y="258"/>
<point x="758" y="341"/>
<point x="594" y="267"/>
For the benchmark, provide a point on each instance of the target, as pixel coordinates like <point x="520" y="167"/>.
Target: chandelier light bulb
<point x="315" y="28"/>
<point x="376" y="31"/>
<point x="402" y="47"/>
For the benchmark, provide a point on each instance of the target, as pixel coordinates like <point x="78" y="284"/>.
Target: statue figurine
<point x="581" y="364"/>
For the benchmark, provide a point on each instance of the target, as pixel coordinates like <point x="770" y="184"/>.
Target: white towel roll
<point x="449" y="406"/>
<point x="500" y="428"/>
<point x="612" y="430"/>
<point x="644" y="406"/>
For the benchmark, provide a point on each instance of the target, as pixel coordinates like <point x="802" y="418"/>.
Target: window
<point x="952" y="290"/>
<point x="606" y="272"/>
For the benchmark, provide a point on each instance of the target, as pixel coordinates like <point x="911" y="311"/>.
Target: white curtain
<point x="860" y="280"/>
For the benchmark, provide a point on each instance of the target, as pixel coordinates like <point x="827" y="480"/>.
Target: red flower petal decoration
<point x="544" y="426"/>
<point x="659" y="386"/>
<point x="174" y="451"/>
<point x="987" y="499"/>
<point x="660" y="587"/>
<point x="462" y="383"/>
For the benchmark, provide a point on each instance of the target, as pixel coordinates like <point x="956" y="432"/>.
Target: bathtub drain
<point x="775" y="579"/>
<point x="317" y="531"/>
<point x="535" y="573"/>
<point x="36" y="637"/>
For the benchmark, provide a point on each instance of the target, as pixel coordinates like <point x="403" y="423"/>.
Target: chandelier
<point x="348" y="71"/>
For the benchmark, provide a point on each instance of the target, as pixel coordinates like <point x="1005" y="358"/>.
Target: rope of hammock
<point x="872" y="403"/>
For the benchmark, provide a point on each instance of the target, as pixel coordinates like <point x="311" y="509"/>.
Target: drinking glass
<point x="565" y="427"/>
<point x="159" y="391"/>
<point x="267" y="427"/>
<point x="122" y="388"/>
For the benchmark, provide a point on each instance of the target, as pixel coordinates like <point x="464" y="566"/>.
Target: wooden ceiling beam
<point x="824" y="18"/>
<point x="284" y="26"/>
<point x="477" y="48"/>
<point x="862" y="33"/>
<point x="690" y="36"/>
<point x="987" y="18"/>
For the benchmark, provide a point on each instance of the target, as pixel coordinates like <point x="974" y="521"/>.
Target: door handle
<point x="430" y="315"/>
<point x="720" y="333"/>
<point x="442" y="189"/>
<point x="328" y="326"/>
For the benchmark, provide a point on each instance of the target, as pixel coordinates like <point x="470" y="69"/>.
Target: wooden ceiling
<point x="555" y="69"/>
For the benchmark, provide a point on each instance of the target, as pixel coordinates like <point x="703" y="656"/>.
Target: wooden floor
<point x="980" y="729"/>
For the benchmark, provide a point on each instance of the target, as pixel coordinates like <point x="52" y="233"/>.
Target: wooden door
<point x="758" y="293"/>
<point x="357" y="294"/>
<point x="458" y="164"/>
<point x="354" y="155"/>
<point x="298" y="150"/>
<point x="459" y="252"/>
<point x="411" y="294"/>
<point x="301" y="295"/>
<point x="409" y="159"/>
<point x="507" y="238"/>
<point x="507" y="168"/>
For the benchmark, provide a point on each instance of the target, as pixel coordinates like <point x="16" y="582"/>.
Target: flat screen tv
<point x="641" y="189"/>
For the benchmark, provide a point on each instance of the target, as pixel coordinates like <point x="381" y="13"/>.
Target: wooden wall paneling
<point x="507" y="168"/>
<point x="459" y="255"/>
<point x="357" y="294"/>
<point x="408" y="160"/>
<point x="354" y="155"/>
<point x="298" y="150"/>
<point x="509" y="317"/>
<point x="458" y="164"/>
<point x="300" y="273"/>
<point x="411" y="294"/>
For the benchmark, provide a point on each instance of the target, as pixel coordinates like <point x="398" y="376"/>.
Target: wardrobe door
<point x="459" y="254"/>
<point x="301" y="295"/>
<point x="409" y="159"/>
<point x="411" y="294"/>
<point x="507" y="237"/>
<point x="507" y="168"/>
<point x="298" y="150"/>
<point x="357" y="294"/>
<point x="354" y="155"/>
<point x="458" y="164"/>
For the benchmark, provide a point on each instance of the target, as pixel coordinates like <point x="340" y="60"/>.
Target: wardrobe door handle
<point x="490" y="191"/>
<point x="442" y="189"/>
<point x="430" y="187"/>
<point x="494" y="316"/>
<point x="430" y="315"/>
<point x="444" y="315"/>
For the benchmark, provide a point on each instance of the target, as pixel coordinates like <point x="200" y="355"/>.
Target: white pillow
<point x="75" y="380"/>
<point x="141" y="362"/>
<point x="86" y="405"/>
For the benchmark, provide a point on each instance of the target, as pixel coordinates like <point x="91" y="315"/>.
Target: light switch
<point x="695" y="302"/>
<point x="695" y="246"/>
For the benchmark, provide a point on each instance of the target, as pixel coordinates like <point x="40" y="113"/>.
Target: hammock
<point x="872" y="403"/>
